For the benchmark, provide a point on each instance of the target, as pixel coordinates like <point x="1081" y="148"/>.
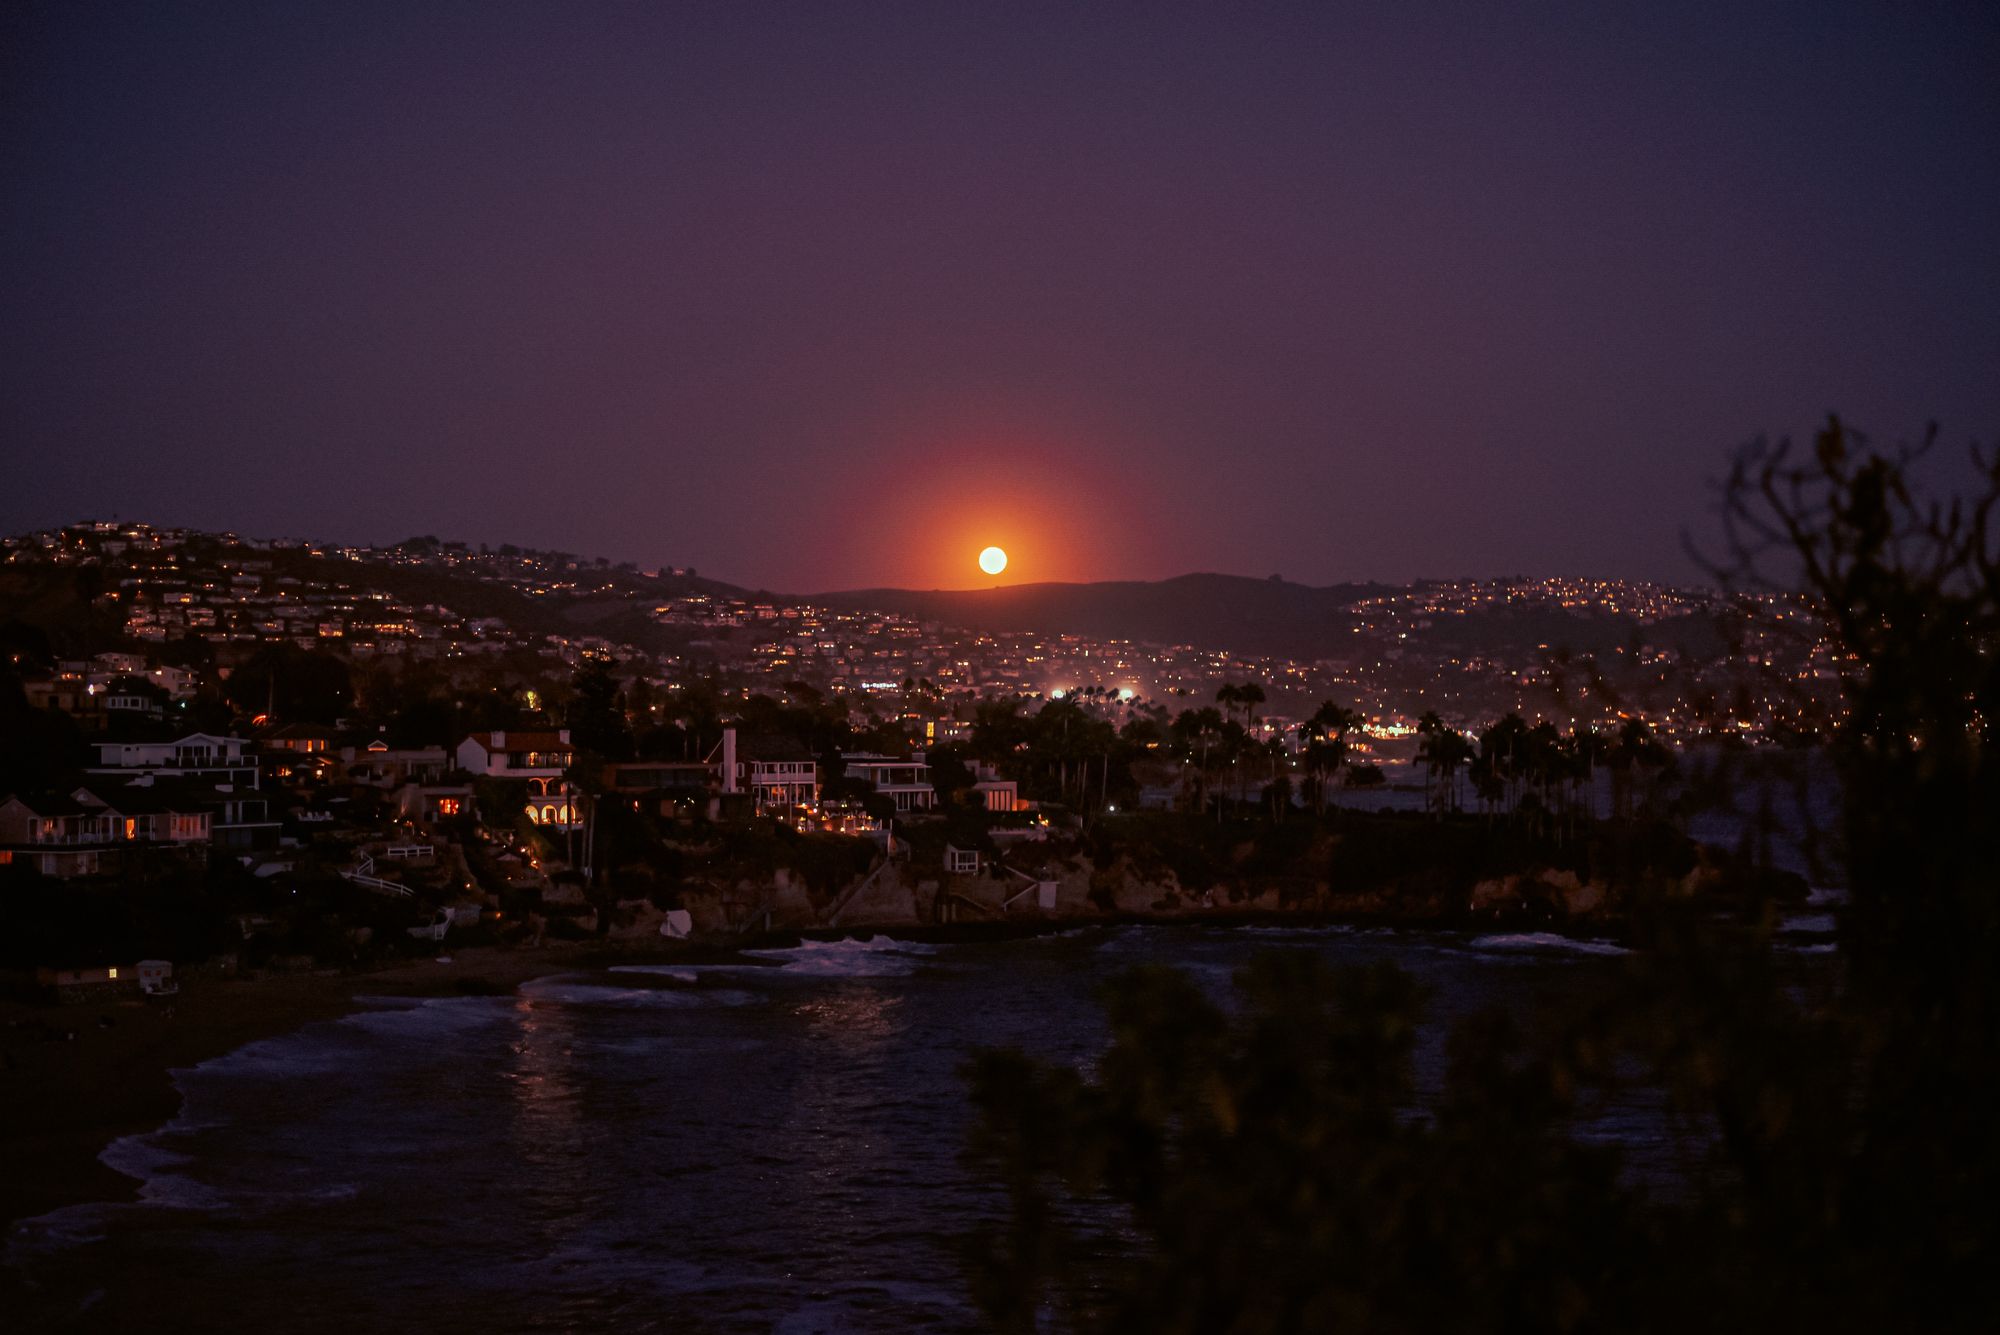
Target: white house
<point x="541" y="758"/>
<point x="776" y="772"/>
<point x="905" y="782"/>
<point x="197" y="755"/>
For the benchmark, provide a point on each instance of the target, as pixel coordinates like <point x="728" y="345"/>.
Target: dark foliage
<point x="291" y="685"/>
<point x="1269" y="1167"/>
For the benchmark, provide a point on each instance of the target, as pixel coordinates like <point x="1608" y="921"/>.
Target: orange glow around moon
<point x="993" y="560"/>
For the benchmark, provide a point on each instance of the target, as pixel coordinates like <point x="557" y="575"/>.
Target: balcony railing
<point x="523" y="761"/>
<point x="70" y="840"/>
<point x="179" y="761"/>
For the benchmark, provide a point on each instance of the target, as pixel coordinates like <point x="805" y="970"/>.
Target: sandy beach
<point x="75" y="1078"/>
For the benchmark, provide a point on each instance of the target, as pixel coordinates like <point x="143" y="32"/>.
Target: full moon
<point x="993" y="560"/>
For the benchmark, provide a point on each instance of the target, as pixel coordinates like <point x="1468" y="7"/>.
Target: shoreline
<point x="65" y="1100"/>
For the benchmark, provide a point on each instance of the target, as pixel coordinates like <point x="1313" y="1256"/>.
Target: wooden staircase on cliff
<point x="845" y="901"/>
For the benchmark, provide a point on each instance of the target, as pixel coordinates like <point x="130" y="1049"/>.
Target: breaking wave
<point x="678" y="973"/>
<point x="567" y="992"/>
<point x="1543" y="943"/>
<point x="1810" y="924"/>
<point x="850" y="957"/>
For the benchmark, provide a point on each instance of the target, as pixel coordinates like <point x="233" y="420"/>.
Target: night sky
<point x="830" y="295"/>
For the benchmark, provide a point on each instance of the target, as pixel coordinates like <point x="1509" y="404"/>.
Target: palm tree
<point x="1634" y="747"/>
<point x="1431" y="748"/>
<point x="1197" y="730"/>
<point x="1445" y="751"/>
<point x="1545" y="768"/>
<point x="1280" y="798"/>
<point x="1249" y="695"/>
<point x="1503" y="755"/>
<point x="1226" y="699"/>
<point x="1327" y="728"/>
<point x="1458" y="753"/>
<point x="1588" y="749"/>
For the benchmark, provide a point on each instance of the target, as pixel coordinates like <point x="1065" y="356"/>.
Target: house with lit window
<point x="540" y="758"/>
<point x="142" y="816"/>
<point x="773" y="773"/>
<point x="993" y="792"/>
<point x="89" y="982"/>
<point x="905" y="782"/>
<point x="57" y="836"/>
<point x="232" y="816"/>
<point x="777" y="773"/>
<point x="433" y="803"/>
<point x="300" y="738"/>
<point x="83" y="835"/>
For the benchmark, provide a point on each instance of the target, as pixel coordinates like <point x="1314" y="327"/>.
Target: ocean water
<point x="768" y="1144"/>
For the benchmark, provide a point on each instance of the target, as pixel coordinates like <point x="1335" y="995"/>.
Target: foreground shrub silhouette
<point x="1270" y="1166"/>
<point x="1269" y="1178"/>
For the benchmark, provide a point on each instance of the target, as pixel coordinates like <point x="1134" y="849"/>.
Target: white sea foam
<point x="1302" y="929"/>
<point x="850" y="957"/>
<point x="284" y="1058"/>
<point x="290" y="1056"/>
<point x="1815" y="923"/>
<point x="432" y="1017"/>
<point x="1544" y="943"/>
<point x="70" y="1226"/>
<point x="679" y="973"/>
<point x="568" y="992"/>
<point x="1817" y="948"/>
<point x="155" y="1167"/>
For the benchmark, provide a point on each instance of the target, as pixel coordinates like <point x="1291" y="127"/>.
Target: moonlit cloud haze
<point x="837" y="295"/>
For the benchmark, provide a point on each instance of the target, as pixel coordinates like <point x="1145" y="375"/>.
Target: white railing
<point x="854" y="892"/>
<point x="1043" y="890"/>
<point x="375" y="883"/>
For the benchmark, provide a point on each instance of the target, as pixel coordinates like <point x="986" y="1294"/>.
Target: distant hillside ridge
<point x="1236" y="613"/>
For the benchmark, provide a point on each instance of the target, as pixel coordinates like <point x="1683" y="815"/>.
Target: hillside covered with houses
<point x="281" y="756"/>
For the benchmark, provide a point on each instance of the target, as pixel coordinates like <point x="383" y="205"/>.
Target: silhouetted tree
<point x="291" y="685"/>
<point x="1270" y="1166"/>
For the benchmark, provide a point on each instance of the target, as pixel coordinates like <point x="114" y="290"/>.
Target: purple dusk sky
<point x="826" y="295"/>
